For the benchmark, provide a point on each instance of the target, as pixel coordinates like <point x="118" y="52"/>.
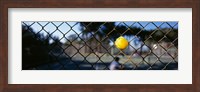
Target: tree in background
<point x="35" y="48"/>
<point x="91" y="33"/>
<point x="110" y="31"/>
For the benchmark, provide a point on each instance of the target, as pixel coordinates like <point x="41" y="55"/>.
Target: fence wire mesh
<point x="91" y="45"/>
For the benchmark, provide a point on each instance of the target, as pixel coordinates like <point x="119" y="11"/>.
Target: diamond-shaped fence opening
<point x="92" y="45"/>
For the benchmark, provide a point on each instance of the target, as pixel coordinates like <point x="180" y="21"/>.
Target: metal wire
<point x="92" y="47"/>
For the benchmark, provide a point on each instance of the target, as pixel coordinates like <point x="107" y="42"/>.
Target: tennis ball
<point x="121" y="43"/>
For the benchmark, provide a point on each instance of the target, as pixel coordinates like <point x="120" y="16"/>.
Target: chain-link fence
<point x="91" y="45"/>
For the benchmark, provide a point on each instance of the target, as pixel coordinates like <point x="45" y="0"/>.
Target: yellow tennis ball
<point x="121" y="43"/>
